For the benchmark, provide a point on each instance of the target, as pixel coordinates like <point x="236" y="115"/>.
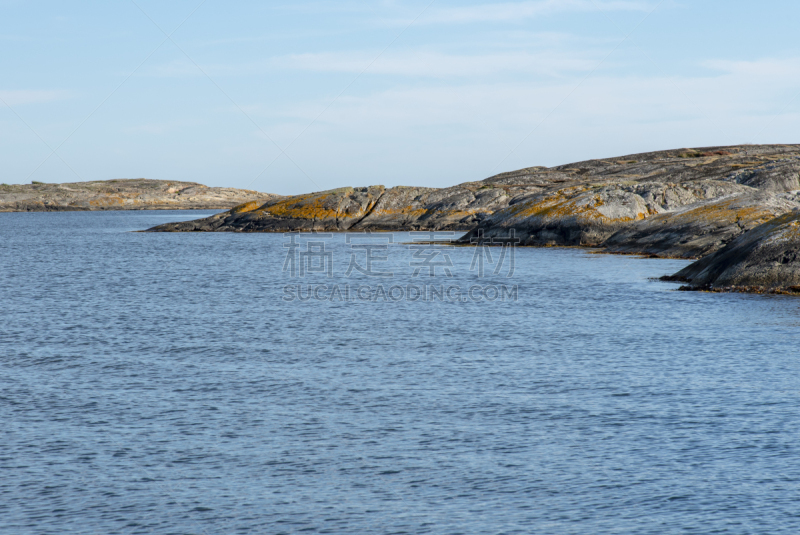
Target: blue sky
<point x="290" y="97"/>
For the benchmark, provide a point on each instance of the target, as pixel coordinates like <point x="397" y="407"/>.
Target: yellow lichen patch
<point x="789" y="232"/>
<point x="311" y="206"/>
<point x="792" y="230"/>
<point x="107" y="201"/>
<point x="247" y="207"/>
<point x="703" y="160"/>
<point x="460" y="213"/>
<point x="724" y="212"/>
<point x="557" y="205"/>
<point x="584" y="209"/>
<point x="406" y="210"/>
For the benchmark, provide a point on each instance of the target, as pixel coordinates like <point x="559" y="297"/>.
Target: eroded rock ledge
<point x="123" y="194"/>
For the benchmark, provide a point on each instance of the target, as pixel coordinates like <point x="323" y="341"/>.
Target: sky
<point x="293" y="97"/>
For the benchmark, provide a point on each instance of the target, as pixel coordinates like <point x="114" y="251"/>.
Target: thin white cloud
<point x="517" y="11"/>
<point x="398" y="14"/>
<point x="770" y="67"/>
<point x="606" y="114"/>
<point x="408" y="63"/>
<point x="432" y="64"/>
<point x="13" y="98"/>
<point x="659" y="111"/>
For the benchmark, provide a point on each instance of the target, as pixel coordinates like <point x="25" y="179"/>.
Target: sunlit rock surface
<point x="123" y="194"/>
<point x="698" y="229"/>
<point x="683" y="203"/>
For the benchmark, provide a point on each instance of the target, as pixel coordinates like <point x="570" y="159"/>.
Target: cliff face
<point x="681" y="203"/>
<point x="123" y="194"/>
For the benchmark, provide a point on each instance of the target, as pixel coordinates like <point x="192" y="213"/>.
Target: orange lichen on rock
<point x="312" y="206"/>
<point x="724" y="211"/>
<point x="247" y="207"/>
<point x="461" y="213"/>
<point x="583" y="208"/>
<point x="789" y="232"/>
<point x="107" y="201"/>
<point x="405" y="210"/>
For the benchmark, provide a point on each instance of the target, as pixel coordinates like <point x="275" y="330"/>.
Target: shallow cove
<point x="160" y="382"/>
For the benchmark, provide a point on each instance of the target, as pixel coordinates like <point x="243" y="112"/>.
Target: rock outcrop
<point x="698" y="229"/>
<point x="764" y="260"/>
<point x="682" y="203"/>
<point x="123" y="194"/>
<point x="371" y="208"/>
<point x="685" y="203"/>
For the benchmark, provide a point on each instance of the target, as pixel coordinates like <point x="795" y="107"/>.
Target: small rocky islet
<point x="735" y="208"/>
<point x="122" y="194"/>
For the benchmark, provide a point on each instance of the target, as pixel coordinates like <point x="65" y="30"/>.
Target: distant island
<point x="736" y="208"/>
<point x="122" y="194"/>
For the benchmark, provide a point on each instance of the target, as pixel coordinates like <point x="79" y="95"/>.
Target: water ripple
<point x="157" y="383"/>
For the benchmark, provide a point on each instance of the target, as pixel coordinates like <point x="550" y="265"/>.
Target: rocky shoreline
<point x="764" y="260"/>
<point x="123" y="194"/>
<point x="711" y="204"/>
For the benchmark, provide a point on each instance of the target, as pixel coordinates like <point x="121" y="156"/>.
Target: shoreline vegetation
<point x="735" y="209"/>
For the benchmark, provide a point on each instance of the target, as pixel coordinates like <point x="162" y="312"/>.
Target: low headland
<point x="122" y="194"/>
<point x="736" y="209"/>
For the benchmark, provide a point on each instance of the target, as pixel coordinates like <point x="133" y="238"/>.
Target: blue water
<point x="161" y="383"/>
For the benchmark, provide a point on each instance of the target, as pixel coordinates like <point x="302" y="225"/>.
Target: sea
<point x="204" y="383"/>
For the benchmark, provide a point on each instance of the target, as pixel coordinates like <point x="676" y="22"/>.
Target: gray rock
<point x="701" y="228"/>
<point x="127" y="194"/>
<point x="683" y="203"/>
<point x="610" y="203"/>
<point x="766" y="259"/>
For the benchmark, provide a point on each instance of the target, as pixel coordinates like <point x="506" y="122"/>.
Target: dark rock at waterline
<point x="765" y="259"/>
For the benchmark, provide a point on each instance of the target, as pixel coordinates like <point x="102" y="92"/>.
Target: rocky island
<point x="736" y="208"/>
<point x="123" y="194"/>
